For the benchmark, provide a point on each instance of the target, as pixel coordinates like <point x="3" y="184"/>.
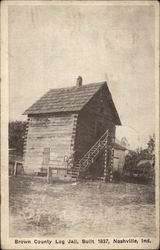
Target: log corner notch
<point x="105" y="160"/>
<point x="69" y="121"/>
<point x="25" y="142"/>
<point x="108" y="159"/>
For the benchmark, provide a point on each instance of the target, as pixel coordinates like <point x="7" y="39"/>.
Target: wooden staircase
<point x="89" y="158"/>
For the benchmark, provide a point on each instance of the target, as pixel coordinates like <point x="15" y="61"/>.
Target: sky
<point x="50" y="46"/>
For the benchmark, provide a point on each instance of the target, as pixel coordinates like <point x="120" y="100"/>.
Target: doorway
<point x="46" y="157"/>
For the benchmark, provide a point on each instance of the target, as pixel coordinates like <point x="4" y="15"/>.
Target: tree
<point x="151" y="144"/>
<point x="140" y="154"/>
<point x="16" y="136"/>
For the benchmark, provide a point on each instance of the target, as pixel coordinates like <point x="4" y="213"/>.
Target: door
<point x="46" y="156"/>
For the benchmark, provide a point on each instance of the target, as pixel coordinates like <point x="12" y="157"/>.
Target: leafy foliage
<point x="134" y="157"/>
<point x="16" y="136"/>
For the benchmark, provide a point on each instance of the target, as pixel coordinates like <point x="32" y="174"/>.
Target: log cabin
<point x="68" y="131"/>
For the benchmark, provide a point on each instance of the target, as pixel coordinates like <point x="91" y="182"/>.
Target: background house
<point x="120" y="150"/>
<point x="119" y="158"/>
<point x="64" y="124"/>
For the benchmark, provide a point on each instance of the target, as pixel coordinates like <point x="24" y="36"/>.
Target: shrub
<point x="134" y="157"/>
<point x="16" y="136"/>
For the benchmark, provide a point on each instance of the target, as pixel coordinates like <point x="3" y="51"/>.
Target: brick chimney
<point x="79" y="82"/>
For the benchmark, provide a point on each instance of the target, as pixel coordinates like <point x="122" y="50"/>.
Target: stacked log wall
<point x="49" y="131"/>
<point x="98" y="109"/>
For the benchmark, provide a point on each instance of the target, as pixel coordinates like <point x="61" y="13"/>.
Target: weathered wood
<point x="86" y="125"/>
<point x="67" y="134"/>
<point x="49" y="174"/>
<point x="56" y="135"/>
<point x="15" y="167"/>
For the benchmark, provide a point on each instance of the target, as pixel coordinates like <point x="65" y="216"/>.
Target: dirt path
<point x="86" y="209"/>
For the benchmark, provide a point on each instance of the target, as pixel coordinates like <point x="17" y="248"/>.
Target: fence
<point x="15" y="164"/>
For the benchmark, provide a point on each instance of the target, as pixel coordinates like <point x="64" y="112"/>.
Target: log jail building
<point x="70" y="130"/>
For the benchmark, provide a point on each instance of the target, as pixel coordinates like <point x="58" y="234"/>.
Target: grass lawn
<point x="88" y="209"/>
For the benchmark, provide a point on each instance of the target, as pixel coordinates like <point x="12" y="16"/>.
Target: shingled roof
<point x="68" y="99"/>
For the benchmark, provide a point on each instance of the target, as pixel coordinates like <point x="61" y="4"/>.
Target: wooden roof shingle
<point x="67" y="99"/>
<point x="64" y="99"/>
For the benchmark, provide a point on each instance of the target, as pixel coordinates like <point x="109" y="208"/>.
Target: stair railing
<point x="96" y="147"/>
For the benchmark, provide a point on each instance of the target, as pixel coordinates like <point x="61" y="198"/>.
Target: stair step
<point x="75" y="170"/>
<point x="74" y="174"/>
<point x="89" y="157"/>
<point x="94" y="153"/>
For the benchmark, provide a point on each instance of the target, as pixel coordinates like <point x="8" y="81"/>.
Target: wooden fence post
<point x="49" y="174"/>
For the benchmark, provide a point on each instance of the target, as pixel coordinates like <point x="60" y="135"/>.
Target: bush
<point x="134" y="157"/>
<point x="16" y="136"/>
